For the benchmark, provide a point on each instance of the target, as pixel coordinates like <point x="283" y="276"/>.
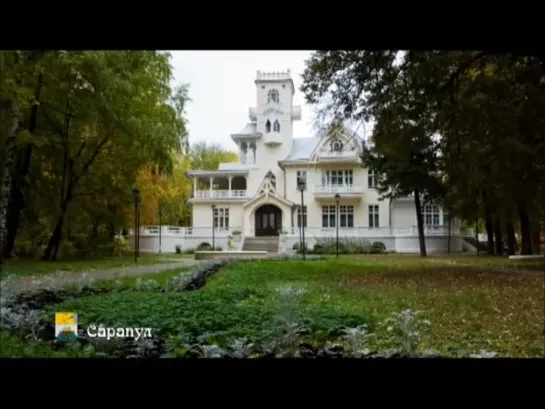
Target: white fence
<point x="185" y="237"/>
<point x="400" y="239"/>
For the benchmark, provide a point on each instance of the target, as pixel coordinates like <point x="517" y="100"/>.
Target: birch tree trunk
<point x="10" y="150"/>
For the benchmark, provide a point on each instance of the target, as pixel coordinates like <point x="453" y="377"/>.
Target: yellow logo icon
<point x="66" y="326"/>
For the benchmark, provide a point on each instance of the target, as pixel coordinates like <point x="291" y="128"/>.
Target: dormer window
<point x="273" y="96"/>
<point x="336" y="146"/>
<point x="276" y="126"/>
<point x="268" y="126"/>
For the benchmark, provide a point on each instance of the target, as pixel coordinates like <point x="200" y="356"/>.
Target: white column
<point x="254" y="149"/>
<point x="211" y="184"/>
<point x="195" y="187"/>
<point x="230" y="179"/>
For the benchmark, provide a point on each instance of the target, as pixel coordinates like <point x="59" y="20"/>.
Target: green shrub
<point x="121" y="245"/>
<point x="378" y="248"/>
<point x="204" y="246"/>
<point x="318" y="249"/>
<point x="347" y="245"/>
<point x="178" y="249"/>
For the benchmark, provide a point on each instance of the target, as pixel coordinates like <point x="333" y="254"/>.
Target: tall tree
<point x="16" y="96"/>
<point x="361" y="84"/>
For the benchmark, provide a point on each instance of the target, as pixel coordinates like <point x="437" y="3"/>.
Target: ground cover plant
<point x="355" y="306"/>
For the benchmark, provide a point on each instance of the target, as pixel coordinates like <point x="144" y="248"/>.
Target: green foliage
<point x="100" y="118"/>
<point x="121" y="245"/>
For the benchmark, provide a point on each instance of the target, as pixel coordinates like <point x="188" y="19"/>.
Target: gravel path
<point x="75" y="277"/>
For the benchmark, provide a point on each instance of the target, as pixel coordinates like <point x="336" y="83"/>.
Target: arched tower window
<point x="336" y="145"/>
<point x="276" y="126"/>
<point x="268" y="126"/>
<point x="273" y="96"/>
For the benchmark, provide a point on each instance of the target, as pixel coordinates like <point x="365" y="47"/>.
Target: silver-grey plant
<point x="355" y="341"/>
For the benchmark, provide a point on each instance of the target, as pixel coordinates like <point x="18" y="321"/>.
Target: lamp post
<point x="136" y="195"/>
<point x="301" y="186"/>
<point x="160" y="223"/>
<point x="337" y="198"/>
<point x="299" y="223"/>
<point x="213" y="234"/>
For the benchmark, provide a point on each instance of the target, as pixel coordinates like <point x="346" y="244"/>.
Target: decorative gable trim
<point x="267" y="189"/>
<point x="336" y="138"/>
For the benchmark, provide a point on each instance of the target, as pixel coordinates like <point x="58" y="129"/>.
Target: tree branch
<point x="460" y="70"/>
<point x="90" y="161"/>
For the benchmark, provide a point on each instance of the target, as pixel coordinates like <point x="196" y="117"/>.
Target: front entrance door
<point x="268" y="220"/>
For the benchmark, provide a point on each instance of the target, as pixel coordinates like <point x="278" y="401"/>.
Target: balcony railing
<point x="339" y="155"/>
<point x="332" y="189"/>
<point x="219" y="194"/>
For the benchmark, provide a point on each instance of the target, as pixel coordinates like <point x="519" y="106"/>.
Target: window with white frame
<point x="371" y="179"/>
<point x="304" y="216"/>
<point x="302" y="177"/>
<point x="431" y="215"/>
<point x="337" y="178"/>
<point x="273" y="96"/>
<point x="373" y="216"/>
<point x="221" y="218"/>
<point x="328" y="216"/>
<point x="346" y="216"/>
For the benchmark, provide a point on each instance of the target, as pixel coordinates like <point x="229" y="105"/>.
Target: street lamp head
<point x="136" y="194"/>
<point x="337" y="197"/>
<point x="301" y="185"/>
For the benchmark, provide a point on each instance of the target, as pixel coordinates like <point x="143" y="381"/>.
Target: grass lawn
<point x="34" y="267"/>
<point x="468" y="308"/>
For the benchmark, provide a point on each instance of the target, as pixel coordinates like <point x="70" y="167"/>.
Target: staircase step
<point x="268" y="244"/>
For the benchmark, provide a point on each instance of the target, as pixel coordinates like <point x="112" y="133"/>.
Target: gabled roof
<point x="303" y="149"/>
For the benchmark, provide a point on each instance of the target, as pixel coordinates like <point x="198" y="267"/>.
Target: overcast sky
<point x="222" y="89"/>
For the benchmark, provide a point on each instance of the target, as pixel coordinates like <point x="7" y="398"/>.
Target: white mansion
<point x="259" y="195"/>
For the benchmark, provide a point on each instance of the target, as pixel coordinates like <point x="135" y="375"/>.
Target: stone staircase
<point x="268" y="244"/>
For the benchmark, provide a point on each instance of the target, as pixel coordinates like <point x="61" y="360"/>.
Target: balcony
<point x="341" y="156"/>
<point x="220" y="194"/>
<point x="346" y="191"/>
<point x="272" y="139"/>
